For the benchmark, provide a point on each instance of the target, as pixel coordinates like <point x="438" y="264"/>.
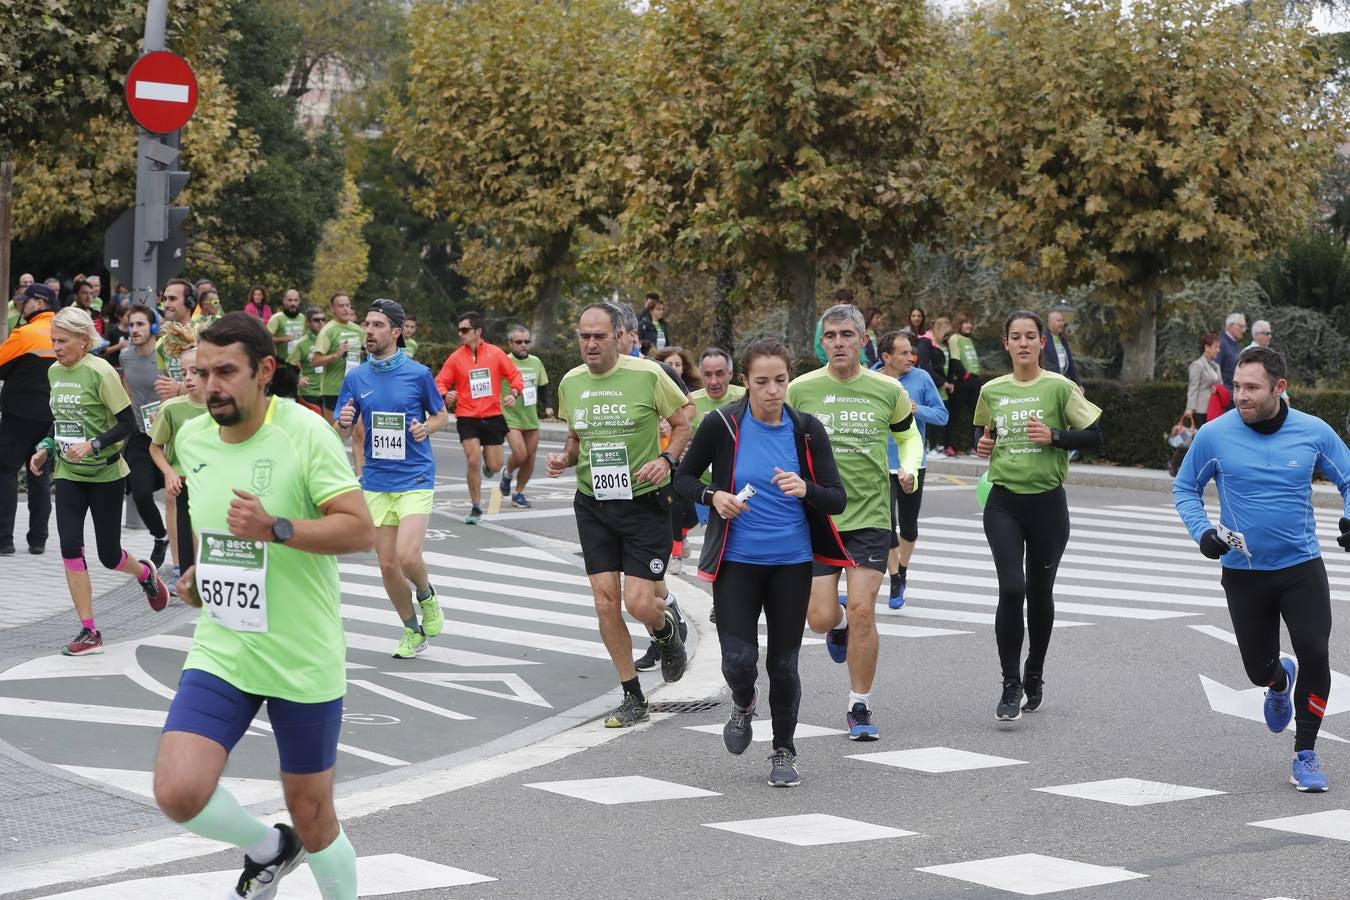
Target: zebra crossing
<point x="1126" y="562"/>
<point x="520" y="646"/>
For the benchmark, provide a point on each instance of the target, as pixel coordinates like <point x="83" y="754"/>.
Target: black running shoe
<point x="647" y="661"/>
<point x="674" y="660"/>
<point x="259" y="881"/>
<point x="738" y="731"/>
<point x="1010" y="706"/>
<point x="1034" y="685"/>
<point x="628" y="713"/>
<point x="783" y="769"/>
<point x="680" y="623"/>
<point x="160" y="549"/>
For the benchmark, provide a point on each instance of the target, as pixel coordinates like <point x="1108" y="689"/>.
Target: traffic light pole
<point x="153" y="158"/>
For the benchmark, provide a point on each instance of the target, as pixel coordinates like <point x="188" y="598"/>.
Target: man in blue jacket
<point x="1262" y="462"/>
<point x="897" y="361"/>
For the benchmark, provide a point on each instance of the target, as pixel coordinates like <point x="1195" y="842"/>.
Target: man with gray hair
<point x="1234" y="327"/>
<point x="1261" y="334"/>
<point x="859" y="409"/>
<point x="522" y="420"/>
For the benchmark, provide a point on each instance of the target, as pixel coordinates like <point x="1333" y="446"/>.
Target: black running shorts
<point x="490" y="431"/>
<point x="629" y="536"/>
<point x="869" y="548"/>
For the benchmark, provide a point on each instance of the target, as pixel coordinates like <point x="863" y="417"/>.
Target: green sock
<point x="334" y="868"/>
<point x="223" y="819"/>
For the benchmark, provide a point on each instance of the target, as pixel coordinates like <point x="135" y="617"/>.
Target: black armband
<point x="123" y="429"/>
<point x="1090" y="438"/>
<point x="903" y="424"/>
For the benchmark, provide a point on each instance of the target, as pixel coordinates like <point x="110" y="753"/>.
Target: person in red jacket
<point x="471" y="382"/>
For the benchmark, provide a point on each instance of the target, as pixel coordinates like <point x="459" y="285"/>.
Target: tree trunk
<point x="549" y="296"/>
<point x="6" y="196"/>
<point x="722" y="335"/>
<point x="1140" y="340"/>
<point x="798" y="276"/>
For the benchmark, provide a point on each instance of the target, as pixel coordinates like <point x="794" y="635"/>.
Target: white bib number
<point x="610" y="478"/>
<point x="388" y="432"/>
<point x="480" y="383"/>
<point x="69" y="434"/>
<point x="148" y="412"/>
<point x="232" y="581"/>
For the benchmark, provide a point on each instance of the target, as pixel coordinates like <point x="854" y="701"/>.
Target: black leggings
<point x="144" y="480"/>
<point x="1033" y="528"/>
<point x="740" y="592"/>
<point x="905" y="507"/>
<point x="186" y="554"/>
<point x="1257" y="600"/>
<point x="103" y="501"/>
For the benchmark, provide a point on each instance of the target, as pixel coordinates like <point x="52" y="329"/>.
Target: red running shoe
<point x="156" y="591"/>
<point x="86" y="643"/>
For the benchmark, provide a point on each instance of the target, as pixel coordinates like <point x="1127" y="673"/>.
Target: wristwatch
<point x="96" y="444"/>
<point x="668" y="458"/>
<point x="282" y="530"/>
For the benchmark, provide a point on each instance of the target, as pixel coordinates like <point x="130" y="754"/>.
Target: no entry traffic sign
<point x="161" y="92"/>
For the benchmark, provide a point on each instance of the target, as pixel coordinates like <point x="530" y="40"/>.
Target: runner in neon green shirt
<point x="613" y="405"/>
<point x="302" y="355"/>
<point x="523" y="418"/>
<point x="860" y="409"/>
<point x="287" y="324"/>
<point x="337" y="350"/>
<point x="1030" y="420"/>
<point x="93" y="418"/>
<point x="273" y="501"/>
<point x="169" y="420"/>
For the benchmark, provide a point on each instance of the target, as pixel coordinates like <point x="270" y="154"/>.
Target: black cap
<point x="393" y="311"/>
<point x="41" y="292"/>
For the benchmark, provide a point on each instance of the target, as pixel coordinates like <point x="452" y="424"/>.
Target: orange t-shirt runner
<point x="477" y="380"/>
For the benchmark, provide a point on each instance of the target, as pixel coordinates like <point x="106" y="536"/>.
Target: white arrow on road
<point x="519" y="691"/>
<point x="1245" y="704"/>
<point x="1337" y="702"/>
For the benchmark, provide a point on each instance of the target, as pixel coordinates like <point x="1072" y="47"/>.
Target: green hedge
<point x="1135" y="417"/>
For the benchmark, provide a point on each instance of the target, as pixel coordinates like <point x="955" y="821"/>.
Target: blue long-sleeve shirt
<point x="1265" y="485"/>
<point x="928" y="407"/>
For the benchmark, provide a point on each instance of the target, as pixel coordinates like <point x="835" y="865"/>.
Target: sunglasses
<point x="523" y="343"/>
<point x="465" y="330"/>
<point x="316" y="318"/>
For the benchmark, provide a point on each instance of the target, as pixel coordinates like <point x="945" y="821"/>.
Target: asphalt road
<point x="1146" y="774"/>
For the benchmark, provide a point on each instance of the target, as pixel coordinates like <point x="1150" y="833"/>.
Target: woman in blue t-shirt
<point x="759" y="547"/>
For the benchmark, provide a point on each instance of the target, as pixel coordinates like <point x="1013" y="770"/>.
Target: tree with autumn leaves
<point x="1076" y="145"/>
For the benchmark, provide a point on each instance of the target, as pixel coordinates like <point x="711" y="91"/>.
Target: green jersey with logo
<point x="858" y="415"/>
<point x="293" y="327"/>
<point x="963" y="348"/>
<point x="332" y="335"/>
<point x="294" y="464"/>
<point x="1007" y="405"/>
<point x="85" y="400"/>
<point x="172" y="416"/>
<point x="525" y="414"/>
<point x="703" y="404"/>
<point x="410" y="348"/>
<point x="169" y="365"/>
<point x="300" y="356"/>
<point x="617" y="416"/>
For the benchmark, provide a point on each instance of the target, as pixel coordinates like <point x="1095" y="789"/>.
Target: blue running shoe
<point x="505" y="485"/>
<point x="521" y="501"/>
<point x="1280" y="704"/>
<point x="1307" y="774"/>
<point x="860" y="727"/>
<point x="836" y="641"/>
<point x="897" y="600"/>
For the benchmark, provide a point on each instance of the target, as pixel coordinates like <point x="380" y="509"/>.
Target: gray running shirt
<point x="140" y="373"/>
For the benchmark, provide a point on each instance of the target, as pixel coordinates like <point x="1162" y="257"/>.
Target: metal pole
<point x="145" y="253"/>
<point x="6" y="195"/>
<point x="150" y="213"/>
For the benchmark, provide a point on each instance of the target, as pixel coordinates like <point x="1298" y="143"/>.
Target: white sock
<point x="668" y="599"/>
<point x="864" y="699"/>
<point x="266" y="850"/>
<point x="843" y="618"/>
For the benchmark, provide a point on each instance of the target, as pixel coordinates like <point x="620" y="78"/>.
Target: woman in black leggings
<point x="1030" y="420"/>
<point x="759" y="547"/>
<point x="93" y="417"/>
